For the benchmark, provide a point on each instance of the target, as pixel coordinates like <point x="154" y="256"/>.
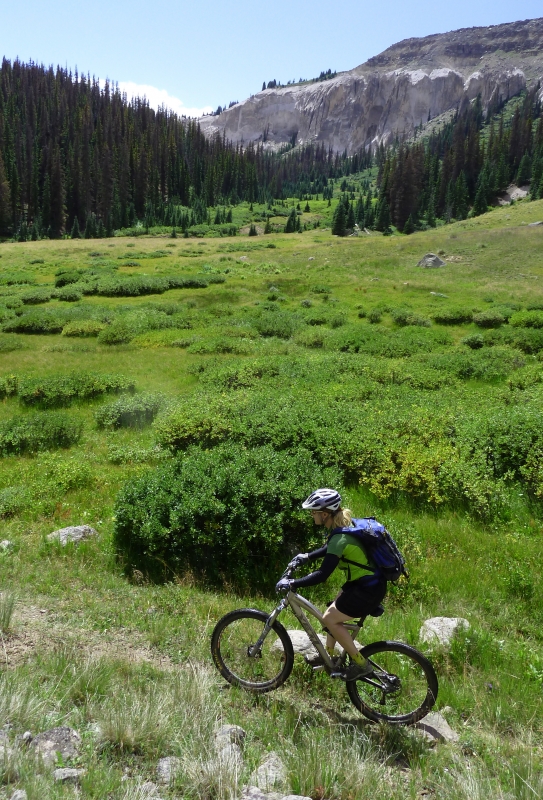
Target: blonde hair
<point x="343" y="518"/>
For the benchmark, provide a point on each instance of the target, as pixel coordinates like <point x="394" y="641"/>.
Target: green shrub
<point x="474" y="341"/>
<point x="320" y="289"/>
<point x="8" y="386"/>
<point x="83" y="328"/>
<point x="489" y="319"/>
<point x="228" y="514"/>
<point x="62" y="390"/>
<point x="452" y="316"/>
<point x="375" y="316"/>
<point x="404" y="317"/>
<point x="69" y="294"/>
<point x="486" y="364"/>
<point x="13" y="499"/>
<point x="66" y="277"/>
<point x="389" y="344"/>
<point x="32" y="433"/>
<point x="9" y="343"/>
<point x="527" y="319"/>
<point x="277" y="323"/>
<point x="312" y="337"/>
<point x="130" y="411"/>
<point x="36" y="296"/>
<point x="528" y="340"/>
<point x="37" y="321"/>
<point x="219" y="346"/>
<point x="15" y="278"/>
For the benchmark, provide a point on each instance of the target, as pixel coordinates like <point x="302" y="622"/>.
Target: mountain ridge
<point x="393" y="92"/>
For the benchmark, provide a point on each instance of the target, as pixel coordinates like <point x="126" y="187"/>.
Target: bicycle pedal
<point x="318" y="668"/>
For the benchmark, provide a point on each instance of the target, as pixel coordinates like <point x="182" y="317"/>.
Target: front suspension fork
<point x="254" y="650"/>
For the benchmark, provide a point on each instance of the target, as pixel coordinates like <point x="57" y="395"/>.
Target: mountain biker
<point x="360" y="594"/>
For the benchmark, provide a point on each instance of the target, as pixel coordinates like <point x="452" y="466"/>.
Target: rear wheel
<point x="403" y="687"/>
<point x="231" y="648"/>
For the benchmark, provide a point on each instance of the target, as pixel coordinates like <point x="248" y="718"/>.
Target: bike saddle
<point x="378" y="611"/>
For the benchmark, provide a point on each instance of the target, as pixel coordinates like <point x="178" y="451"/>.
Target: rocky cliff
<point x="409" y="83"/>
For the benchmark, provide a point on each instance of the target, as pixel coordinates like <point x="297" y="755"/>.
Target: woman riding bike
<point x="360" y="595"/>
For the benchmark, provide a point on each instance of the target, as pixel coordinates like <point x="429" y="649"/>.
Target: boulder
<point x="68" y="775"/>
<point x="228" y="743"/>
<point x="270" y="774"/>
<point x="166" y="769"/>
<point x="254" y="793"/>
<point x="19" y="794"/>
<point x="73" y="533"/>
<point x="534" y="224"/>
<point x="295" y="797"/>
<point x="430" y="261"/>
<point x="62" y="741"/>
<point x="150" y="789"/>
<point x="5" y="545"/>
<point x="436" y="728"/>
<point x="441" y="630"/>
<point x="301" y="644"/>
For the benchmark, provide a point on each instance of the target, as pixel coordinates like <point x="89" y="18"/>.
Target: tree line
<point x="73" y="154"/>
<point x="463" y="167"/>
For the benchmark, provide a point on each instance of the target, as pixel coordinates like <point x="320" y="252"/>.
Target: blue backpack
<point x="379" y="547"/>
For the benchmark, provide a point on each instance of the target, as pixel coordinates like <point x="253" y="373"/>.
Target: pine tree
<point x="252" y="230"/>
<point x="268" y="227"/>
<point x="339" y="221"/>
<point x="5" y="201"/>
<point x="350" y="218"/>
<point x="382" y="216"/>
<point x="431" y="212"/>
<point x="307" y="209"/>
<point x="76" y="233"/>
<point x="292" y="222"/>
<point x="409" y="226"/>
<point x="524" y="170"/>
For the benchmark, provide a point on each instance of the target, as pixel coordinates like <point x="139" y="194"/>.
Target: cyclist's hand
<point x="297" y="561"/>
<point x="282" y="586"/>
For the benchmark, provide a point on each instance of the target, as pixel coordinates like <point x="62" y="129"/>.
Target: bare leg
<point x="333" y="620"/>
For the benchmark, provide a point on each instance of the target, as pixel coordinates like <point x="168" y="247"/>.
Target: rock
<point x="231" y="755"/>
<point x="430" y="260"/>
<point x="150" y="789"/>
<point x="254" y="793"/>
<point x="270" y="773"/>
<point x="6" y="545"/>
<point x="439" y="294"/>
<point x="295" y="797"/>
<point x="166" y="769"/>
<point x="229" y="734"/>
<point x="73" y="533"/>
<point x="68" y="775"/>
<point x="441" y="630"/>
<point x="530" y="225"/>
<point x="435" y="727"/>
<point x="312" y="258"/>
<point x="302" y="644"/>
<point x="19" y="794"/>
<point x="62" y="741"/>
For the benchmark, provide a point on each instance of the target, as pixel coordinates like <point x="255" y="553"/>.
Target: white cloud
<point x="159" y="97"/>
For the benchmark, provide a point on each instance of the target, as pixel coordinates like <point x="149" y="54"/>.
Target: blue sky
<point x="197" y="55"/>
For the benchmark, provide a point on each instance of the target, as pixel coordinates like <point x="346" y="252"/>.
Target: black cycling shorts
<point x="357" y="599"/>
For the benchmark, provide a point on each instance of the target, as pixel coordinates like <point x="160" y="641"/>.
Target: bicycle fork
<point x="254" y="650"/>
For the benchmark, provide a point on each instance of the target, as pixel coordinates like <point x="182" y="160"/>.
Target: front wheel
<point x="402" y="689"/>
<point x="232" y="649"/>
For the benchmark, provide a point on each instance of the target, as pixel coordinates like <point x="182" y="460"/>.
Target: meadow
<point x="182" y="396"/>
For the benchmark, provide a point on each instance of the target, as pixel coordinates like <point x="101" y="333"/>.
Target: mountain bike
<point x="252" y="650"/>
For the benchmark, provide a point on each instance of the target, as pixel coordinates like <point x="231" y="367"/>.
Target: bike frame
<point x="298" y="605"/>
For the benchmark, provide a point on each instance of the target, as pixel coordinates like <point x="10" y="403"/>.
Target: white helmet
<point x="323" y="500"/>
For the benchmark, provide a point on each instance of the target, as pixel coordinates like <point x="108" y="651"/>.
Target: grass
<point x="127" y="662"/>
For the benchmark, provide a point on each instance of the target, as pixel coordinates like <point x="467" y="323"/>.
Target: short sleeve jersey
<point x="351" y="554"/>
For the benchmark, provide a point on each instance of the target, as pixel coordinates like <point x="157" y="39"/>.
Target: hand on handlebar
<point x="297" y="561"/>
<point x="282" y="586"/>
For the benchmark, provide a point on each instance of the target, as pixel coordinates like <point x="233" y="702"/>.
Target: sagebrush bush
<point x="69" y="294"/>
<point x="30" y="433"/>
<point x="36" y="296"/>
<point x="61" y="390"/>
<point x="229" y="514"/>
<point x="130" y="411"/>
<point x="452" y="316"/>
<point x="83" y="328"/>
<point x="37" y="321"/>
<point x="489" y="319"/>
<point x="527" y="319"/>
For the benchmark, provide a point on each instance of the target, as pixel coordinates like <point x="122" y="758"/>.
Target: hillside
<point x="393" y="92"/>
<point x="263" y="365"/>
